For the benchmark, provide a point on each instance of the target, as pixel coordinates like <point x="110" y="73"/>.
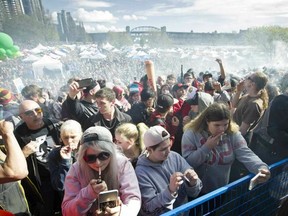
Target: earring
<point x="146" y="153"/>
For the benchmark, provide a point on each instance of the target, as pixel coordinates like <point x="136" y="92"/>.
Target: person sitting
<point x="210" y="144"/>
<point x="99" y="167"/>
<point x="165" y="178"/>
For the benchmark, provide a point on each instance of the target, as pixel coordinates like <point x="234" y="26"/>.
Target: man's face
<point x="105" y="106"/>
<point x="31" y="114"/>
<point x="181" y="92"/>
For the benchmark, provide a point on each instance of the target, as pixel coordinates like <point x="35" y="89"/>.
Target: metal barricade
<point x="236" y="199"/>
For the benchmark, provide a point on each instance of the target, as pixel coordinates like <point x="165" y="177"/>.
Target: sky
<point x="176" y="15"/>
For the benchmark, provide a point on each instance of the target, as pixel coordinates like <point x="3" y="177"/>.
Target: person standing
<point x="165" y="178"/>
<point x="211" y="142"/>
<point x="37" y="136"/>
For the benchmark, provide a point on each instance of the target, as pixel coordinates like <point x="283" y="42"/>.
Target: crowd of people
<point x="158" y="149"/>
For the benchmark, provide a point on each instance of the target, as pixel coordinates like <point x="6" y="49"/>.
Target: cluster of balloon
<point x="7" y="48"/>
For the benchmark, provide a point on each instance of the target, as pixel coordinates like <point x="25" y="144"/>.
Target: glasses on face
<point x="249" y="78"/>
<point x="91" y="158"/>
<point x="32" y="111"/>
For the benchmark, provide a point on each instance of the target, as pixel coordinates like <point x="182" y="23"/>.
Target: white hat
<point x="155" y="135"/>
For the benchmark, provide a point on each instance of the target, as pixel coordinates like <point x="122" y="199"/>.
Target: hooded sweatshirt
<point x="154" y="179"/>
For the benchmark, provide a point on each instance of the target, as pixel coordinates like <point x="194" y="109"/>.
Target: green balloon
<point x="14" y="49"/>
<point x="5" y="41"/>
<point x="2" y="51"/>
<point x="9" y="53"/>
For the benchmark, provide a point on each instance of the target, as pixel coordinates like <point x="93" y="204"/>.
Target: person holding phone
<point x="165" y="178"/>
<point x="100" y="168"/>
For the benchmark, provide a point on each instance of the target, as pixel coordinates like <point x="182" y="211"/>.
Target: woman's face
<point x="217" y="127"/>
<point x="98" y="163"/>
<point x="70" y="138"/>
<point x="123" y="142"/>
<point x="161" y="153"/>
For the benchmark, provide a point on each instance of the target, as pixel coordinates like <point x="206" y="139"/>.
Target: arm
<point x="58" y="168"/>
<point x="77" y="200"/>
<point x="14" y="167"/>
<point x="192" y="150"/>
<point x="222" y="71"/>
<point x="244" y="127"/>
<point x="236" y="97"/>
<point x="129" y="190"/>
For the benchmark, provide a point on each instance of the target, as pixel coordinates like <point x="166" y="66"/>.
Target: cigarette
<point x="221" y="137"/>
<point x="186" y="178"/>
<point x="100" y="174"/>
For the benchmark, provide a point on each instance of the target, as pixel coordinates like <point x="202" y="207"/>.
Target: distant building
<point x="12" y="8"/>
<point x="67" y="28"/>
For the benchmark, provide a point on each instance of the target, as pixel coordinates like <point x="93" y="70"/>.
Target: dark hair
<point x="31" y="90"/>
<point x="189" y="73"/>
<point x="146" y="94"/>
<point x="102" y="83"/>
<point x="107" y="93"/>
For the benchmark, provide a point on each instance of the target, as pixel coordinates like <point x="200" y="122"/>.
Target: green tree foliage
<point x="119" y="39"/>
<point x="264" y="37"/>
<point x="24" y="28"/>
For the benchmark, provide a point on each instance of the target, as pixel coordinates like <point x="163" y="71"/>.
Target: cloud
<point x="94" y="16"/>
<point x="93" y="4"/>
<point x="101" y="28"/>
<point x="133" y="17"/>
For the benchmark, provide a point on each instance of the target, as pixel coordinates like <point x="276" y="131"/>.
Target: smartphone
<point x="253" y="181"/>
<point x="107" y="199"/>
<point x="85" y="82"/>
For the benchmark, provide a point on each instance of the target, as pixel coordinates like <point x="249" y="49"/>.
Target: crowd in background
<point x="207" y="119"/>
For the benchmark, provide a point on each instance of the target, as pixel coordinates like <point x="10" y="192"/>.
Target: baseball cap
<point x="155" y="135"/>
<point x="165" y="101"/>
<point x="207" y="74"/>
<point x="92" y="86"/>
<point x="97" y="133"/>
<point x="5" y="96"/>
<point x="194" y="100"/>
<point x="178" y="86"/>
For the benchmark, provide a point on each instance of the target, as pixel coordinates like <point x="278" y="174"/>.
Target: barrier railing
<point x="236" y="199"/>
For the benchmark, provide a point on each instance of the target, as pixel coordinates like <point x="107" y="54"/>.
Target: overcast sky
<point x="176" y="15"/>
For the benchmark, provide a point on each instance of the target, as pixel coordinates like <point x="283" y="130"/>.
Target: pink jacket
<point x="78" y="198"/>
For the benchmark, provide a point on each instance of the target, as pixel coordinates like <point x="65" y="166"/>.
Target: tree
<point x="24" y="28"/>
<point x="264" y="38"/>
<point x="119" y="39"/>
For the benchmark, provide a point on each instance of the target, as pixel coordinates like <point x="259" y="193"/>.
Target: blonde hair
<point x="214" y="112"/>
<point x="71" y="125"/>
<point x="128" y="130"/>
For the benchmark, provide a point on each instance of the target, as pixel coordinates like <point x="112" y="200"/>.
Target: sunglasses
<point x="249" y="78"/>
<point x="32" y="112"/>
<point x="91" y="158"/>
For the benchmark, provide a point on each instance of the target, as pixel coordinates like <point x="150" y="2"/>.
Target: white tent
<point x="47" y="65"/>
<point x="31" y="58"/>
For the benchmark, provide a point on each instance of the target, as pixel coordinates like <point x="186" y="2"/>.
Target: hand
<point x="213" y="141"/>
<point x="218" y="60"/>
<point x="73" y="89"/>
<point x="240" y="86"/>
<point x="175" y="121"/>
<point x="97" y="188"/>
<point x="192" y="176"/>
<point x="186" y="119"/>
<point x="111" y="211"/>
<point x="30" y="148"/>
<point x="175" y="182"/>
<point x="264" y="175"/>
<point x="6" y="127"/>
<point x="65" y="152"/>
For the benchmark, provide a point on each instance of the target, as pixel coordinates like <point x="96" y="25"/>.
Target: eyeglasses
<point x="32" y="111"/>
<point x="249" y="78"/>
<point x="91" y="158"/>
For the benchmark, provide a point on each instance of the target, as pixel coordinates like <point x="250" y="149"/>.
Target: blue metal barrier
<point x="236" y="199"/>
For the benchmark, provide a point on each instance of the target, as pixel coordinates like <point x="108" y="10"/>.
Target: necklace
<point x="112" y="123"/>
